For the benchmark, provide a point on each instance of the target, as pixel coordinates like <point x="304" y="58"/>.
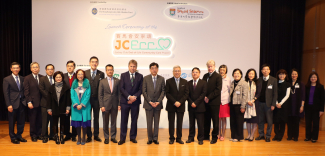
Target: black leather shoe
<point x="45" y="140"/>
<point x="260" y="138"/>
<point x="134" y="141"/>
<point x="313" y="141"/>
<point x="156" y="142"/>
<point x="274" y="139"/>
<point x="189" y="141"/>
<point x="171" y="141"/>
<point x="295" y="139"/>
<point x="213" y="141"/>
<point x="121" y="142"/>
<point x="114" y="140"/>
<point x="67" y="138"/>
<point x="180" y="141"/>
<point x="39" y="138"/>
<point x="57" y="140"/>
<point x="74" y="139"/>
<point x="149" y="142"/>
<point x="307" y="139"/>
<point x="15" y="141"/>
<point x="62" y="139"/>
<point x="106" y="141"/>
<point x="267" y="140"/>
<point x="200" y="142"/>
<point x="289" y="138"/>
<point x="97" y="139"/>
<point x="279" y="139"/>
<point x="34" y="139"/>
<point x="88" y="139"/>
<point x="21" y="140"/>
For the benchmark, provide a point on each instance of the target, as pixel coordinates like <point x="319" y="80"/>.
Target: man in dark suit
<point x="13" y="91"/>
<point x="33" y="98"/>
<point x="268" y="94"/>
<point x="212" y="102"/>
<point x="109" y="101"/>
<point x="176" y="93"/>
<point x="45" y="83"/>
<point x="94" y="76"/>
<point x="196" y="106"/>
<point x="131" y="90"/>
<point x="69" y="77"/>
<point x="153" y="90"/>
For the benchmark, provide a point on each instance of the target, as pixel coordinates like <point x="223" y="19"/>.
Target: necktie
<point x="51" y="80"/>
<point x="194" y="84"/>
<point x="132" y="79"/>
<point x="177" y="83"/>
<point x="154" y="82"/>
<point x="70" y="76"/>
<point x="17" y="81"/>
<point x="264" y="78"/>
<point x="93" y="76"/>
<point x="110" y="85"/>
<point x="208" y="77"/>
<point x="36" y="79"/>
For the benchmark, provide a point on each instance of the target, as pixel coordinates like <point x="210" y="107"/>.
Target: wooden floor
<point x="141" y="148"/>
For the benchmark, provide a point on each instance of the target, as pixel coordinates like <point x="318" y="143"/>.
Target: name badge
<point x="270" y="87"/>
<point x="81" y="91"/>
<point x="237" y="92"/>
<point x="297" y="86"/>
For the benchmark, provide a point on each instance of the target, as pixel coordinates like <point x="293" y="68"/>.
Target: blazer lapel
<point x="108" y="86"/>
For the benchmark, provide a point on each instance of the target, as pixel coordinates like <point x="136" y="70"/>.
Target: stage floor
<point x="141" y="148"/>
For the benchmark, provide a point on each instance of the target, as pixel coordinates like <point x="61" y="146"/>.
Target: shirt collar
<point x="177" y="78"/>
<point x="109" y="77"/>
<point x="280" y="81"/>
<point x="197" y="80"/>
<point x="13" y="75"/>
<point x="35" y="75"/>
<point x="131" y="73"/>
<point x="154" y="76"/>
<point x="49" y="76"/>
<point x="70" y="74"/>
<point x="267" y="78"/>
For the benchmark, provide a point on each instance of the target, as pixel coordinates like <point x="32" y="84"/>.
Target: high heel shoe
<point x="251" y="139"/>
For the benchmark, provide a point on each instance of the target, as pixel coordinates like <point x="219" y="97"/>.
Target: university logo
<point x="184" y="75"/>
<point x="116" y="76"/>
<point x="172" y="11"/>
<point x="94" y="11"/>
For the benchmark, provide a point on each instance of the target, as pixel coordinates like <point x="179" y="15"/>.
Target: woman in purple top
<point x="296" y="107"/>
<point x="314" y="107"/>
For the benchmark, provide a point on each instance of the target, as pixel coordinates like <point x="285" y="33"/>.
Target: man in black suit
<point x="13" y="91"/>
<point x="267" y="96"/>
<point x="94" y="76"/>
<point x="196" y="106"/>
<point x="176" y="93"/>
<point x="69" y="77"/>
<point x="212" y="102"/>
<point x="45" y="83"/>
<point x="33" y="97"/>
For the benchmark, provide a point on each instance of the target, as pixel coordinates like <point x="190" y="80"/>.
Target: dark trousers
<point x="125" y="111"/>
<point x="199" y="116"/>
<point x="17" y="115"/>
<point x="35" y="120"/>
<point x="279" y="128"/>
<point x="312" y="122"/>
<point x="236" y="122"/>
<point x="67" y="127"/>
<point x="46" y="119"/>
<point x="95" y="108"/>
<point x="212" y="112"/>
<point x="153" y="116"/>
<point x="265" y="112"/>
<point x="56" y="121"/>
<point x="179" y="125"/>
<point x="293" y="127"/>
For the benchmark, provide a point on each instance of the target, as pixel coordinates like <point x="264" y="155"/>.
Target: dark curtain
<point x="15" y="41"/>
<point x="282" y="30"/>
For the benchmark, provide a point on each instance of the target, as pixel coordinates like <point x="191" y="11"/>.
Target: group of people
<point x="73" y="97"/>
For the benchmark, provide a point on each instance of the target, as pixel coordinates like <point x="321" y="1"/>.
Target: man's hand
<point x="320" y="114"/>
<point x="206" y="100"/>
<point x="152" y="104"/>
<point x="301" y="109"/>
<point x="193" y="105"/>
<point x="10" y="109"/>
<point x="278" y="105"/>
<point x="30" y="106"/>
<point x="119" y="107"/>
<point x="132" y="98"/>
<point x="250" y="103"/>
<point x="67" y="112"/>
<point x="272" y="108"/>
<point x="129" y="102"/>
<point x="79" y="107"/>
<point x="103" y="109"/>
<point x="177" y="104"/>
<point x="242" y="110"/>
<point x="50" y="113"/>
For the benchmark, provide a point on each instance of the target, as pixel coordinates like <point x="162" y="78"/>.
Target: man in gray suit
<point x="45" y="83"/>
<point x="153" y="90"/>
<point x="109" y="102"/>
<point x="267" y="94"/>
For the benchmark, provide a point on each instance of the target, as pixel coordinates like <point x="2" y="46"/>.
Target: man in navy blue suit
<point x="131" y="90"/>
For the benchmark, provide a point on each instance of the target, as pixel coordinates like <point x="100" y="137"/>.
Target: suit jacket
<point x="152" y="94"/>
<point x="318" y="100"/>
<point x="128" y="90"/>
<point x="174" y="95"/>
<point x="59" y="107"/>
<point x="106" y="98"/>
<point x="197" y="95"/>
<point x="32" y="91"/>
<point x="66" y="79"/>
<point x="13" y="96"/>
<point x="271" y="95"/>
<point x="214" y="88"/>
<point x="94" y="83"/>
<point x="44" y="86"/>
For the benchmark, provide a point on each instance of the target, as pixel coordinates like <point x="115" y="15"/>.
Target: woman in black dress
<point x="280" y="113"/>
